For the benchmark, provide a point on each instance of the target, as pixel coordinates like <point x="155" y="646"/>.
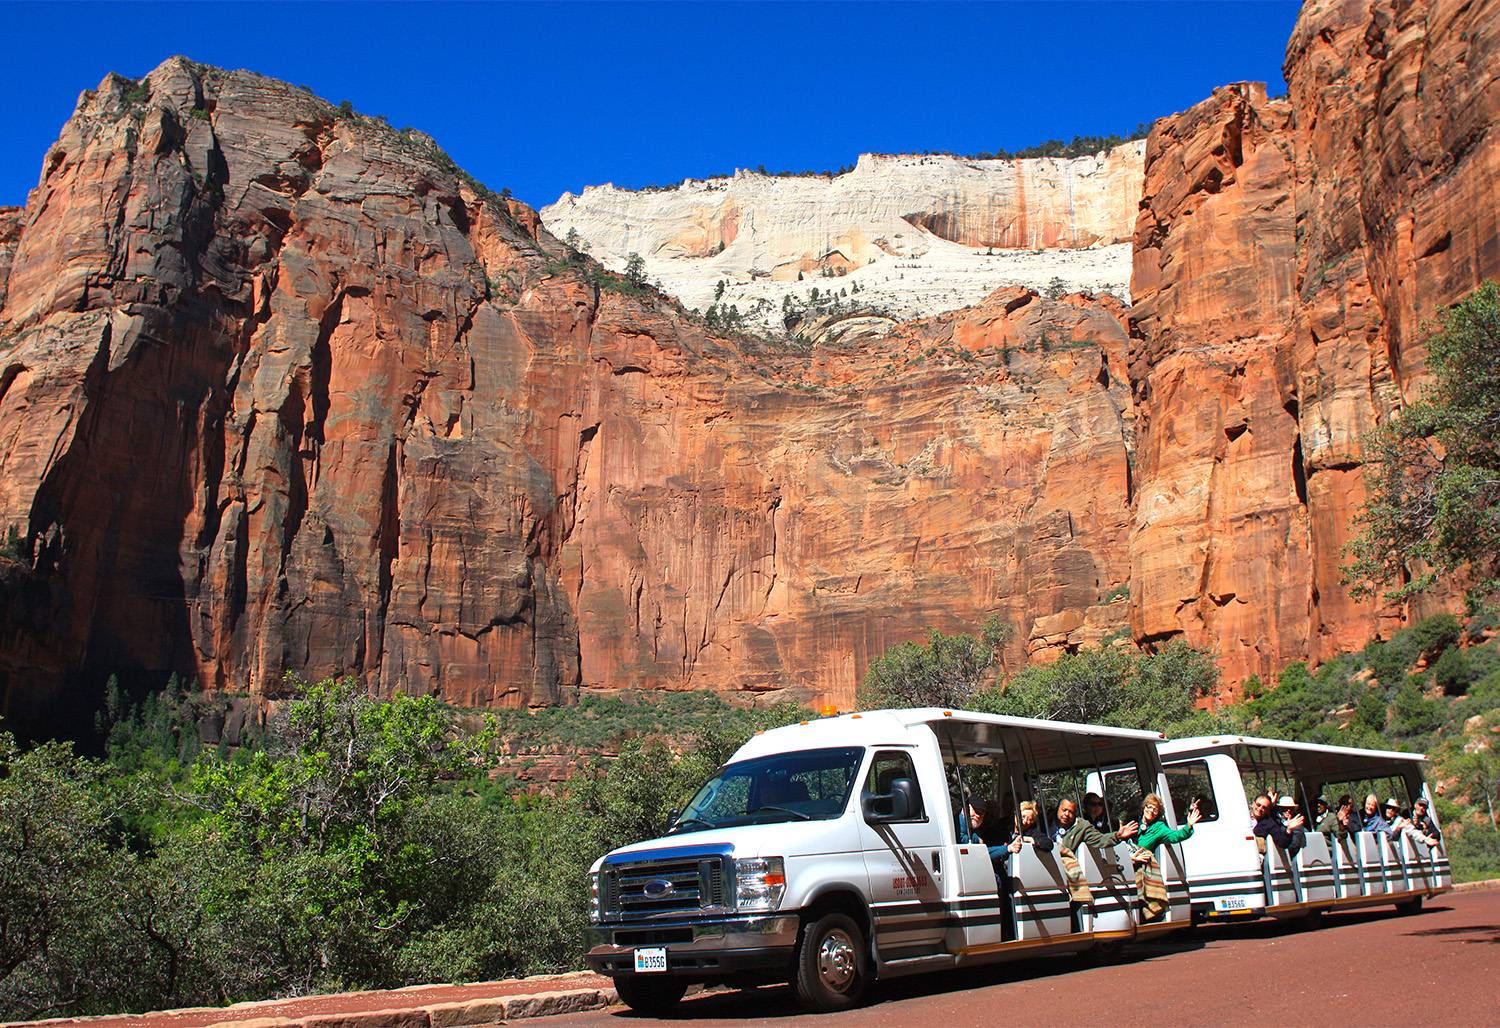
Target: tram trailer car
<point x="1231" y="878"/>
<point x="832" y="852"/>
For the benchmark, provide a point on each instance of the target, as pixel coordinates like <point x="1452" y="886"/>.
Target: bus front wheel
<point x="830" y="964"/>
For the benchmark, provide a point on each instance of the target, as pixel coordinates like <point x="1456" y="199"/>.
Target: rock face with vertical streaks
<point x="281" y="390"/>
<point x="1287" y="254"/>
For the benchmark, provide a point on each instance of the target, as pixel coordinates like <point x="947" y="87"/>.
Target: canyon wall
<point x="918" y="234"/>
<point x="1287" y="254"/>
<point x="282" y="390"/>
<point x="802" y="224"/>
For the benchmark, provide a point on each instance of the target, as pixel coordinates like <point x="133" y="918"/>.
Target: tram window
<point x="1055" y="786"/>
<point x="1189" y="781"/>
<point x="1123" y="795"/>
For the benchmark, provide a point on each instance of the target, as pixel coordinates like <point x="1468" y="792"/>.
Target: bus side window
<point x="885" y="769"/>
<point x="1189" y="781"/>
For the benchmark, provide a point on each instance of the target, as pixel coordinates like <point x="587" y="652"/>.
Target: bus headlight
<point x="759" y="883"/>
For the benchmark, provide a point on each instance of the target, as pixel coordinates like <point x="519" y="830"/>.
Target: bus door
<point x="1348" y="872"/>
<point x="1314" y="867"/>
<point x="905" y="864"/>
<point x="1372" y="860"/>
<point x="1418" y="859"/>
<point x="986" y="914"/>
<point x="1395" y="867"/>
<point x="979" y="922"/>
<point x="1283" y="888"/>
<point x="1111" y="879"/>
<point x="1111" y="871"/>
<point x="1041" y="895"/>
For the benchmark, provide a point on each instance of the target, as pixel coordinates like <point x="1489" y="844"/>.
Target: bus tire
<point x="1411" y="906"/>
<point x="651" y="996"/>
<point x="830" y="972"/>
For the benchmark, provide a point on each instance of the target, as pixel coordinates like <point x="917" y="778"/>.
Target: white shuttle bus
<point x="832" y="852"/>
<point x="1235" y="874"/>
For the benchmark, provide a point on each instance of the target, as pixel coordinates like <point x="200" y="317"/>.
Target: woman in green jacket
<point x="1156" y="830"/>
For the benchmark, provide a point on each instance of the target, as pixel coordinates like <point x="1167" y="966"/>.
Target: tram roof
<point x="865" y="727"/>
<point x="1328" y="757"/>
<point x="941" y="715"/>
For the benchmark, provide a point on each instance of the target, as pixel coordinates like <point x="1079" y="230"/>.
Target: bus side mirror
<point x="900" y="804"/>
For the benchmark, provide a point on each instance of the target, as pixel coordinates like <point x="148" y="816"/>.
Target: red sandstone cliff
<point x="1287" y="253"/>
<point x="282" y="392"/>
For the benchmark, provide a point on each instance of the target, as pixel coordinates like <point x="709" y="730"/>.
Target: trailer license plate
<point x="654" y="959"/>
<point x="1232" y="903"/>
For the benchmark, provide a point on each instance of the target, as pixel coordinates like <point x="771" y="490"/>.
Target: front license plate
<point x="648" y="960"/>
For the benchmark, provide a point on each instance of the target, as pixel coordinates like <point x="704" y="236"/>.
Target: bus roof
<point x="936" y="715"/>
<point x="865" y="727"/>
<point x="1227" y="743"/>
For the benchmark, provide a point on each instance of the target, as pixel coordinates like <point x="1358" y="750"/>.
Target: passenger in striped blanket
<point x="1149" y="881"/>
<point x="1157" y="831"/>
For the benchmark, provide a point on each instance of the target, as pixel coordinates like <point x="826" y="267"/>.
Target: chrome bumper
<point x="698" y="947"/>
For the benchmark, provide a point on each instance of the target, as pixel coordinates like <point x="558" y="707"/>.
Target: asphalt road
<point x="1366" y="969"/>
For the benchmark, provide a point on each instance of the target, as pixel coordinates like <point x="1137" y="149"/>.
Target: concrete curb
<point x="446" y="1015"/>
<point x="1487" y="884"/>
<point x="461" y="1013"/>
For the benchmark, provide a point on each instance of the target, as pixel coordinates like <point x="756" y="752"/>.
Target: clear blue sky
<point x="547" y="97"/>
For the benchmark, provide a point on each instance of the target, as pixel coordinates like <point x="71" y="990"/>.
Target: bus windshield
<point x="807" y="785"/>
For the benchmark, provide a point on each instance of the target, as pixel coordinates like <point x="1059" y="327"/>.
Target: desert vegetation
<point x="349" y="842"/>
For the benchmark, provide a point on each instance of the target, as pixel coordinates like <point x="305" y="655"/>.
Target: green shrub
<point x="1112" y="685"/>
<point x="1370" y="711"/>
<point x="1391" y="660"/>
<point x="1435" y="634"/>
<point x="1413" y="713"/>
<point x="1454" y="672"/>
<point x="1474" y="851"/>
<point x="1483" y="619"/>
<point x="14" y="547"/>
<point x="944" y="672"/>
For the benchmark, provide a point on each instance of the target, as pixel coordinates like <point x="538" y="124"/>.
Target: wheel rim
<point x="836" y="960"/>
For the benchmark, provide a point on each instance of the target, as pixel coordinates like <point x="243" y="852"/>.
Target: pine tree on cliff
<point x="635" y="270"/>
<point x="1433" y="470"/>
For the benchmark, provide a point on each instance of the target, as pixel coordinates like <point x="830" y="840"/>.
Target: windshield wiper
<point x="692" y="821"/>
<point x="782" y="810"/>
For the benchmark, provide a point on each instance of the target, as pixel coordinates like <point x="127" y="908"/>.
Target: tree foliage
<point x="362" y="844"/>
<point x="1111" y="685"/>
<point x="1433" y="470"/>
<point x="1107" y="685"/>
<point x="635" y="270"/>
<point x="943" y="672"/>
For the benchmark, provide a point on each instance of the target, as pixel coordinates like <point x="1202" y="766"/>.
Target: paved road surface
<point x="1365" y="970"/>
